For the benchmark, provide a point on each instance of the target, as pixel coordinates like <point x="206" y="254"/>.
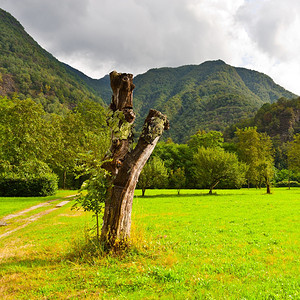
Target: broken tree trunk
<point x="124" y="165"/>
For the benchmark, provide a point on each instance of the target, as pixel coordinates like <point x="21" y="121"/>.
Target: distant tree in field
<point x="153" y="175"/>
<point x="265" y="166"/>
<point x="186" y="163"/>
<point x="256" y="150"/>
<point x="177" y="179"/>
<point x="294" y="154"/>
<point x="176" y="156"/>
<point x="248" y="146"/>
<point x="169" y="154"/>
<point x="205" y="139"/>
<point x="214" y="165"/>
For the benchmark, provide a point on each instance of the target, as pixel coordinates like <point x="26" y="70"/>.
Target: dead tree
<point x="125" y="164"/>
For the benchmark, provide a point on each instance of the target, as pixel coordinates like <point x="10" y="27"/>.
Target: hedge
<point x="285" y="183"/>
<point x="12" y="185"/>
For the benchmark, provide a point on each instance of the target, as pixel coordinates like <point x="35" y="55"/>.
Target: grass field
<point x="238" y="244"/>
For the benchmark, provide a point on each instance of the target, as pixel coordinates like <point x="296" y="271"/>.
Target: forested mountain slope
<point x="208" y="96"/>
<point x="30" y="71"/>
<point x="280" y="120"/>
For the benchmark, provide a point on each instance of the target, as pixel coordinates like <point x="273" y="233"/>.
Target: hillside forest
<point x="53" y="122"/>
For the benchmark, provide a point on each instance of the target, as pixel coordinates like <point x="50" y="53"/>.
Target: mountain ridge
<point x="208" y="96"/>
<point x="30" y="71"/>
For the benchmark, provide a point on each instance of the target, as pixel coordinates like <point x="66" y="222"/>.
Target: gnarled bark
<point x="125" y="165"/>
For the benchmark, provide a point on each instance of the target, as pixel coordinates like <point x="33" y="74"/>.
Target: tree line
<point x="33" y="141"/>
<point x="69" y="145"/>
<point x="206" y="161"/>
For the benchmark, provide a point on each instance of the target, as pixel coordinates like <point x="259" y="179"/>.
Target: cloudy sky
<point x="98" y="36"/>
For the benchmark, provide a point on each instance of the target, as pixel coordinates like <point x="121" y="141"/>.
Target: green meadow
<point x="237" y="244"/>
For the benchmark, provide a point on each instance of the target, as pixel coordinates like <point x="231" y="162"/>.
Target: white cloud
<point x="273" y="25"/>
<point x="272" y="28"/>
<point x="97" y="36"/>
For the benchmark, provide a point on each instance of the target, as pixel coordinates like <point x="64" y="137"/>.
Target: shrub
<point x="285" y="183"/>
<point x="14" y="185"/>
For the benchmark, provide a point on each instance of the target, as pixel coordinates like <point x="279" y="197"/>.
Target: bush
<point x="285" y="183"/>
<point x="14" y="185"/>
<point x="284" y="174"/>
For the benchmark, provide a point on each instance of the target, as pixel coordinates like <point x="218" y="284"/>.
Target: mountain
<point x="209" y="96"/>
<point x="30" y="71"/>
<point x="280" y="120"/>
<point x="101" y="87"/>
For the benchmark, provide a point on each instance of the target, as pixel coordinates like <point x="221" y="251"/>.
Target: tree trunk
<point x="212" y="187"/>
<point x="64" y="179"/>
<point x="125" y="166"/>
<point x="268" y="186"/>
<point x="97" y="224"/>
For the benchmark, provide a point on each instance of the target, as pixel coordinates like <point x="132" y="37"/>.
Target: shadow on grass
<point x="18" y="264"/>
<point x="83" y="253"/>
<point x="79" y="252"/>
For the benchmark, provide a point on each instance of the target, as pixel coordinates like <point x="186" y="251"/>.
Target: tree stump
<point x="124" y="164"/>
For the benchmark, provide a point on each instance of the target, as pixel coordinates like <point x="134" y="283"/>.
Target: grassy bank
<point x="233" y="245"/>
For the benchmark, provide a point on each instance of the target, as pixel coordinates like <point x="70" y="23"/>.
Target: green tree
<point x="79" y="139"/>
<point x="248" y="147"/>
<point x="69" y="142"/>
<point x="177" y="156"/>
<point x="93" y="115"/>
<point x="214" y="165"/>
<point x="96" y="139"/>
<point x="256" y="150"/>
<point x="205" y="139"/>
<point x="28" y="133"/>
<point x="94" y="192"/>
<point x="265" y="161"/>
<point x="177" y="179"/>
<point x="153" y="175"/>
<point x="23" y="131"/>
<point x="293" y="154"/>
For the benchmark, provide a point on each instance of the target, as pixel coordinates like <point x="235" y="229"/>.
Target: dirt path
<point x="23" y="212"/>
<point x="32" y="218"/>
<point x="28" y="221"/>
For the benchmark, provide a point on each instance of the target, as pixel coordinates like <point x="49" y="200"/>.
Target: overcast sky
<point x="98" y="36"/>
